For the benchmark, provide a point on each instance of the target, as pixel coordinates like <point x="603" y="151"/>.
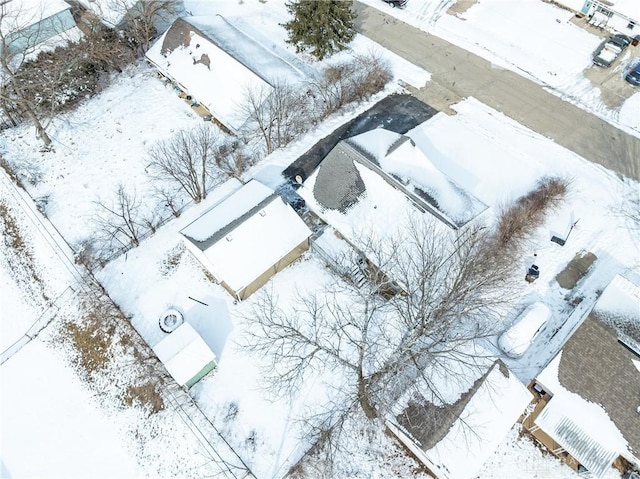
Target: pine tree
<point x="321" y="27"/>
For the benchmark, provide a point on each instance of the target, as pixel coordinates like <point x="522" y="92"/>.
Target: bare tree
<point x="21" y="31"/>
<point x="274" y="115"/>
<point x="141" y="20"/>
<point x="188" y="159"/>
<point x="450" y="288"/>
<point x="120" y="220"/>
<point x="355" y="80"/>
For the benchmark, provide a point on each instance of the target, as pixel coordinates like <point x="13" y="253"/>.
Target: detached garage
<point x="185" y="355"/>
<point x="247" y="238"/>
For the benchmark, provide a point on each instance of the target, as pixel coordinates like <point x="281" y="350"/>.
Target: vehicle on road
<point x="610" y="49"/>
<point x="396" y="3"/>
<point x="633" y="75"/>
<point x="524" y="330"/>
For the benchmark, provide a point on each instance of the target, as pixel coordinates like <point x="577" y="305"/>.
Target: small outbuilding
<point x="247" y="238"/>
<point x="185" y="355"/>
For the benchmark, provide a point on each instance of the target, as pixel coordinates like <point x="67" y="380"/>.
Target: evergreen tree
<point x="322" y="27"/>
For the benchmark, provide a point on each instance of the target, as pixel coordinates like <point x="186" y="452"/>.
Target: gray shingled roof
<point x="228" y="228"/>
<point x="600" y="369"/>
<point x="338" y="183"/>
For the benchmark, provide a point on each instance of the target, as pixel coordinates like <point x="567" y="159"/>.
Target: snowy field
<point x="103" y="144"/>
<point x="532" y="38"/>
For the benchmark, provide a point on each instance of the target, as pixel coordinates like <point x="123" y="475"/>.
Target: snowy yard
<point x="104" y="143"/>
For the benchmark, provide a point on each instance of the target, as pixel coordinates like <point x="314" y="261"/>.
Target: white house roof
<point x="218" y="60"/>
<point x="230" y="209"/>
<point x="493" y="408"/>
<point x="205" y="71"/>
<point x="399" y="156"/>
<point x="247" y="233"/>
<point x="184" y="353"/>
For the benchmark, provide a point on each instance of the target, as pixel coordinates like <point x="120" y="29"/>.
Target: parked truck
<point x="610" y="49"/>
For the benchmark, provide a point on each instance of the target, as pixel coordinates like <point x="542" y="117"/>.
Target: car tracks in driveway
<point x="457" y="74"/>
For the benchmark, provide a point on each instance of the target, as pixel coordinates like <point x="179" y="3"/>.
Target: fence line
<point x="37" y="326"/>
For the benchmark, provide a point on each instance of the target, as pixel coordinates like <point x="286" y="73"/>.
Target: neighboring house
<point x="453" y="440"/>
<point x="620" y="15"/>
<point x="185" y="355"/>
<point x="247" y="238"/>
<point x="588" y="408"/>
<point x="217" y="62"/>
<point x="26" y="24"/>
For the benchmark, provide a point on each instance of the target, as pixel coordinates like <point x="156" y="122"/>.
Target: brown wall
<point x="285" y="261"/>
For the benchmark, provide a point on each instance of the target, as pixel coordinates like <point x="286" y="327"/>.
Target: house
<point x="185" y="355"/>
<point x="397" y="159"/>
<point x="216" y="63"/>
<point x="453" y="439"/>
<point x="371" y="187"/>
<point x="622" y="16"/>
<point x="588" y="397"/>
<point x="27" y="24"/>
<point x="247" y="238"/>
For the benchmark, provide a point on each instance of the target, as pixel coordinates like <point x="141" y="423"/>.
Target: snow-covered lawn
<point x="103" y="144"/>
<point x="499" y="160"/>
<point x="531" y="37"/>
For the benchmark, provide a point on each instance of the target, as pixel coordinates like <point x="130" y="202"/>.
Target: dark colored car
<point x="396" y="3"/>
<point x="621" y="40"/>
<point x="633" y="75"/>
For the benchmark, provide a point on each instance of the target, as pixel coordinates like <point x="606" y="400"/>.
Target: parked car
<point x="524" y="330"/>
<point x="396" y="3"/>
<point x="610" y="49"/>
<point x="633" y="75"/>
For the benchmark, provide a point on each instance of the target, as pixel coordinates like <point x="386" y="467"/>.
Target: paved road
<point x="457" y="73"/>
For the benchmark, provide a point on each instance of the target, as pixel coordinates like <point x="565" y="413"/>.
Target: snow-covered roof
<point x="185" y="354"/>
<point x="218" y="64"/>
<point x="28" y="12"/>
<point x="620" y="299"/>
<point x="475" y="424"/>
<point x="398" y="156"/>
<point x="595" y="387"/>
<point x="247" y="233"/>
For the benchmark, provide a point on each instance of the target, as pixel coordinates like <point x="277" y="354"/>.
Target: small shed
<point x="247" y="238"/>
<point x="185" y="355"/>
